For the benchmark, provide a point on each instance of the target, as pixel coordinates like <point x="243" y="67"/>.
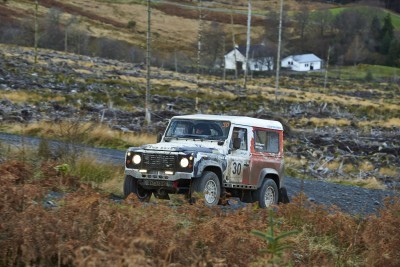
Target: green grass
<point x="370" y="183"/>
<point x="369" y="12"/>
<point x="337" y="10"/>
<point x="359" y="72"/>
<point x="395" y="20"/>
<point x="89" y="170"/>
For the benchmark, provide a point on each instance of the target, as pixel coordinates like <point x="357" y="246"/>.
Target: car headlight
<point x="137" y="159"/>
<point x="184" y="162"/>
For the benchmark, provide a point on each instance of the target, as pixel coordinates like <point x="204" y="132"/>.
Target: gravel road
<point x="351" y="199"/>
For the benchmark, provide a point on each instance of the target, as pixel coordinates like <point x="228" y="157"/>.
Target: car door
<point x="238" y="159"/>
<point x="266" y="156"/>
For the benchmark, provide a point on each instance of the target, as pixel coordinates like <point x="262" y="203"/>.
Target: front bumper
<point x="158" y="175"/>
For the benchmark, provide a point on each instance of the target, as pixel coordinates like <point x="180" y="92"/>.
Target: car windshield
<point x="202" y="129"/>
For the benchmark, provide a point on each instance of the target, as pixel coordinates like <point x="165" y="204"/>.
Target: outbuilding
<point x="305" y="62"/>
<point x="259" y="58"/>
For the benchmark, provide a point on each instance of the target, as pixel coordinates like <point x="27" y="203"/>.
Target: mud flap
<point x="283" y="196"/>
<point x="247" y="196"/>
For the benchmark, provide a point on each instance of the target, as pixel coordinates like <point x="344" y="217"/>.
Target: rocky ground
<point x="70" y="87"/>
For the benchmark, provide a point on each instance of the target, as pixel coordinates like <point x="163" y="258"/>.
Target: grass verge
<point x="86" y="133"/>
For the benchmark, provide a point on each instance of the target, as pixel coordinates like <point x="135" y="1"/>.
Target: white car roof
<point x="238" y="120"/>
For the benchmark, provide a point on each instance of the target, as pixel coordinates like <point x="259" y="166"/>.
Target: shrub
<point x="131" y="24"/>
<point x="381" y="236"/>
<point x="89" y="170"/>
<point x="87" y="227"/>
<point x="44" y="151"/>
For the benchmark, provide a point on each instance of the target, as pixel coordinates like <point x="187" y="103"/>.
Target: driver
<point x="202" y="129"/>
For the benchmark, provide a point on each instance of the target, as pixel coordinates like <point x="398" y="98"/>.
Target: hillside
<point x="175" y="26"/>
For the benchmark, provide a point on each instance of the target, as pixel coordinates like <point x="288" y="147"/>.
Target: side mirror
<point x="159" y="137"/>
<point x="236" y="143"/>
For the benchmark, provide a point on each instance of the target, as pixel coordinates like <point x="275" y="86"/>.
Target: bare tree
<point x="327" y="66"/>
<point x="322" y="20"/>
<point x="233" y="40"/>
<point x="278" y="56"/>
<point x="347" y="25"/>
<point x="148" y="58"/>
<point x="20" y="34"/>
<point x="199" y="37"/>
<point x="36" y="29"/>
<point x="78" y="40"/>
<point x="72" y="20"/>
<point x="52" y="34"/>
<point x="175" y="61"/>
<point x="212" y="44"/>
<point x="302" y="19"/>
<point x="357" y="51"/>
<point x="246" y="67"/>
<point x="223" y="61"/>
<point x="271" y="24"/>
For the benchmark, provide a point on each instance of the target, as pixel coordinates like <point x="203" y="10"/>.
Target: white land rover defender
<point x="218" y="156"/>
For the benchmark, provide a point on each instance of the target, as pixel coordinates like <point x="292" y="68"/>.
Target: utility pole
<point x="278" y="56"/>
<point x="148" y="58"/>
<point x="326" y="67"/>
<point x="36" y="38"/>
<point x="199" y="36"/>
<point x="175" y="61"/>
<point x="68" y="24"/>
<point x="223" y="61"/>
<point x="234" y="43"/>
<point x="247" y="44"/>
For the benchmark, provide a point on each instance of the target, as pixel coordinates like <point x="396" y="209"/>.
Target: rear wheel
<point x="267" y="194"/>
<point x="208" y="185"/>
<point x="131" y="185"/>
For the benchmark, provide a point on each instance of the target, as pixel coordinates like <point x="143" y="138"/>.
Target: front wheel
<point x="267" y="194"/>
<point x="131" y="185"/>
<point x="208" y="185"/>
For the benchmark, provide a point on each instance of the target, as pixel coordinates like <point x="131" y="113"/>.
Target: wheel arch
<point x="215" y="169"/>
<point x="269" y="173"/>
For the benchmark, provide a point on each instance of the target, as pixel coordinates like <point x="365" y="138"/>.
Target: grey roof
<point x="306" y="58"/>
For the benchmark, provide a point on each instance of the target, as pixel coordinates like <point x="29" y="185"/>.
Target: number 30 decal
<point x="237" y="168"/>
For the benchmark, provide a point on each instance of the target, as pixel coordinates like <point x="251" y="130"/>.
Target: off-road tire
<point x="209" y="185"/>
<point x="131" y="185"/>
<point x="267" y="194"/>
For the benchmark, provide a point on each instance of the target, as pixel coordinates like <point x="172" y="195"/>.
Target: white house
<point x="259" y="60"/>
<point x="304" y="62"/>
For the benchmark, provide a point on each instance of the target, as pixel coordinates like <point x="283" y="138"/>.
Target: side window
<point x="242" y="134"/>
<point x="266" y="141"/>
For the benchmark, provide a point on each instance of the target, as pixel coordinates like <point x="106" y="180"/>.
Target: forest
<point x="389" y="4"/>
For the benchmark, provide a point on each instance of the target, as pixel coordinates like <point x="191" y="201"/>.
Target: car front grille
<point x="159" y="161"/>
